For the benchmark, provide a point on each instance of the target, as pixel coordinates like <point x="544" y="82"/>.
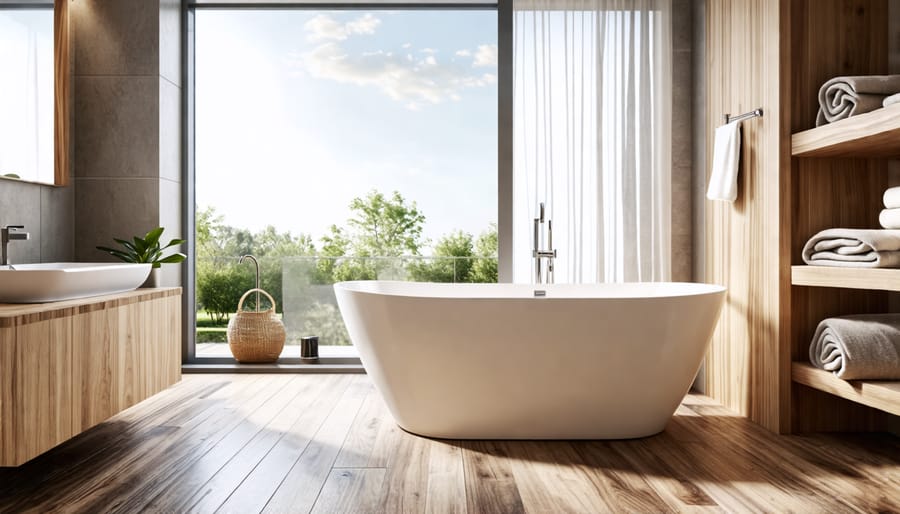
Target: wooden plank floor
<point x="325" y="443"/>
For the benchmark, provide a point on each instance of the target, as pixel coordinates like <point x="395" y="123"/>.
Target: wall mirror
<point x="35" y="87"/>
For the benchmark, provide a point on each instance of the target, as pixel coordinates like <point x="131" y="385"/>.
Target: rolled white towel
<point x="842" y="97"/>
<point x="891" y="198"/>
<point x="891" y="100"/>
<point x="863" y="346"/>
<point x="854" y="248"/>
<point x="890" y="218"/>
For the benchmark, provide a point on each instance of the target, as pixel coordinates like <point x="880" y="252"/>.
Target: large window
<point x="340" y="145"/>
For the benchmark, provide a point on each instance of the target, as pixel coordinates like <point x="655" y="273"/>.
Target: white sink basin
<point x="55" y="281"/>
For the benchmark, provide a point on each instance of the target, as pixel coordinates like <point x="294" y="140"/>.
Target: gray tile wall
<point x="698" y="152"/>
<point x="698" y="133"/>
<point x="682" y="123"/>
<point x="127" y="147"/>
<point x="47" y="213"/>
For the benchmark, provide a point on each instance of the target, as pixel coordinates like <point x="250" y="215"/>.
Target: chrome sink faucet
<point x="541" y="277"/>
<point x="11" y="233"/>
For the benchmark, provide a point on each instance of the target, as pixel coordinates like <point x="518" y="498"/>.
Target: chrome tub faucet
<point x="540" y="256"/>
<point x="11" y="233"/>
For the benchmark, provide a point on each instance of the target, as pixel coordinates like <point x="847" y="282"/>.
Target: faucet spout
<point x="7" y="234"/>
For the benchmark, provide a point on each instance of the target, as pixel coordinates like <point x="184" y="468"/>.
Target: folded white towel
<point x="889" y="218"/>
<point x="863" y="346"/>
<point x="891" y="198"/>
<point x="842" y="97"/>
<point x="891" y="100"/>
<point x="726" y="160"/>
<point x="854" y="248"/>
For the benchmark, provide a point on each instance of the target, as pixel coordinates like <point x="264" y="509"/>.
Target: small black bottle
<point x="309" y="349"/>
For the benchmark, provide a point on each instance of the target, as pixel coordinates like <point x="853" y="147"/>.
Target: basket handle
<point x="255" y="290"/>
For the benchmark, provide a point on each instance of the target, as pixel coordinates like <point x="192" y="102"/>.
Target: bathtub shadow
<point x="708" y="448"/>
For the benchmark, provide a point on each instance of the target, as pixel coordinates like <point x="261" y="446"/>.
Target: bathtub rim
<point x="675" y="290"/>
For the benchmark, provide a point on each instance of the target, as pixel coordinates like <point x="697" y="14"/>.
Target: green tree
<point x="325" y="321"/>
<point x="457" y="258"/>
<point x="219" y="287"/>
<point x="221" y="280"/>
<point x="379" y="226"/>
<point x="484" y="267"/>
<point x="385" y="227"/>
<point x="452" y="260"/>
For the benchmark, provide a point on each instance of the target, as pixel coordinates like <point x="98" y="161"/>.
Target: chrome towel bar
<point x="752" y="114"/>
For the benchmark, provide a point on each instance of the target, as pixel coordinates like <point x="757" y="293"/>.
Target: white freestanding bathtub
<point x="495" y="361"/>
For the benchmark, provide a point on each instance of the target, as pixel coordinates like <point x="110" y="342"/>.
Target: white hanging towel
<point x="726" y="158"/>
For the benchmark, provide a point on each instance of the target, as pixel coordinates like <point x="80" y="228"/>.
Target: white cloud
<point x="406" y="45"/>
<point x="463" y="53"/>
<point x="486" y="55"/>
<point x="404" y="79"/>
<point x="430" y="51"/>
<point x="366" y="24"/>
<point x="324" y="27"/>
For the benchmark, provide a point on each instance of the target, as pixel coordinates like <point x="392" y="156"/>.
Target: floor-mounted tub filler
<point x="510" y="361"/>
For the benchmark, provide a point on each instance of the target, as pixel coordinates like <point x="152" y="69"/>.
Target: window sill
<point x="235" y="367"/>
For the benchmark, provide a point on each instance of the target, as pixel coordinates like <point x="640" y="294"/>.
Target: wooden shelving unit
<point x="882" y="279"/>
<point x="874" y="134"/>
<point x="795" y="181"/>
<point x="880" y="394"/>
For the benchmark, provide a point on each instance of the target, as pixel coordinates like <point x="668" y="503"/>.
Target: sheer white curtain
<point x="592" y="97"/>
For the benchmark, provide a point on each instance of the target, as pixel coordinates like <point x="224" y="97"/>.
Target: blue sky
<point x="298" y="112"/>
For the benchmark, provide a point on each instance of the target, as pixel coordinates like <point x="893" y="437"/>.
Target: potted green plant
<point x="146" y="249"/>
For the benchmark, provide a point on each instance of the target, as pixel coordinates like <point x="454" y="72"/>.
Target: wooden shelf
<point x="885" y="279"/>
<point x="874" y="134"/>
<point x="880" y="394"/>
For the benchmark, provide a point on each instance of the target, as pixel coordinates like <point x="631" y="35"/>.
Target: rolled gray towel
<point x="891" y="100"/>
<point x="854" y="248"/>
<point x="863" y="346"/>
<point x="889" y="218"/>
<point x="842" y="97"/>
<point x="891" y="198"/>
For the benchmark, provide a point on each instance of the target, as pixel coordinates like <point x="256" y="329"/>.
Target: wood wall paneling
<point x="744" y="239"/>
<point x="62" y="96"/>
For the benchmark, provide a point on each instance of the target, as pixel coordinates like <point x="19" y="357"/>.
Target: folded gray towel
<point x="859" y="346"/>
<point x="842" y="97"/>
<point x="854" y="248"/>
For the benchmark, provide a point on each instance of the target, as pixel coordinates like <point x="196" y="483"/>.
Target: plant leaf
<point x="173" y="259"/>
<point x="152" y="237"/>
<point x="140" y="246"/>
<point x="127" y="257"/>
<point x="127" y="244"/>
<point x="174" y="242"/>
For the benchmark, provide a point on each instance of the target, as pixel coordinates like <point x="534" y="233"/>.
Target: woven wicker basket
<point x="256" y="336"/>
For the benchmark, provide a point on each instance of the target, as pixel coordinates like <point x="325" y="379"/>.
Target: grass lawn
<point x="205" y="319"/>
